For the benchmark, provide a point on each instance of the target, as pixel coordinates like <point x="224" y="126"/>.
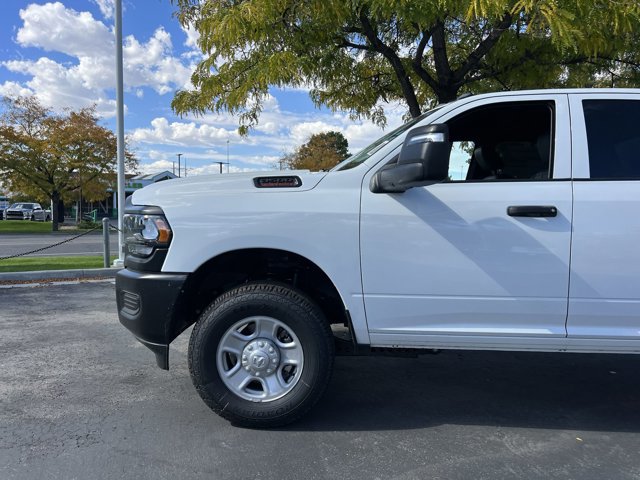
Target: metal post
<point x="120" y="132"/>
<point x="105" y="239"/>
<point x="222" y="163"/>
<point x="179" y="155"/>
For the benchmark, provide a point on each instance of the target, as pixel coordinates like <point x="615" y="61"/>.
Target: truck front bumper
<point x="146" y="306"/>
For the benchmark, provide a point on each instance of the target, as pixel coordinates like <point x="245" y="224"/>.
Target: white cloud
<point x="107" y="7"/>
<point x="14" y="89"/>
<point x="182" y="134"/>
<point x="54" y="27"/>
<point x="84" y="81"/>
<point x="59" y="87"/>
<point x="191" y="42"/>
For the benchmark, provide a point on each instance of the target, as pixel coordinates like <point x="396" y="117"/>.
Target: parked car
<point x="27" y="211"/>
<point x="502" y="221"/>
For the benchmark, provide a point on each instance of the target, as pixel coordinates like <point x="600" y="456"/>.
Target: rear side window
<point x="613" y="138"/>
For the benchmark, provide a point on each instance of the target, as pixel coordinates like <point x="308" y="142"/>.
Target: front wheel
<point x="261" y="355"/>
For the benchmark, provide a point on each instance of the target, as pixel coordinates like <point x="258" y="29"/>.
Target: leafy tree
<point x="355" y="53"/>
<point x="49" y="156"/>
<point x="321" y="152"/>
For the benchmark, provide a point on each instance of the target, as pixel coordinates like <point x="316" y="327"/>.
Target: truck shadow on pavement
<point x="502" y="389"/>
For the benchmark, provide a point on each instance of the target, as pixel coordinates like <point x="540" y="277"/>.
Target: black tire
<point x="48" y="219"/>
<point x="33" y="218"/>
<point x="289" y="307"/>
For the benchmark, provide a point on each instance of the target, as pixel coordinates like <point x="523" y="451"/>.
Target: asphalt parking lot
<point x="79" y="398"/>
<point x="90" y="244"/>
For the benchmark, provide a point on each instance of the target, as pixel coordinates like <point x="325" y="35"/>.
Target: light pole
<point x="120" y="132"/>
<point x="222" y="163"/>
<point x="227" y="156"/>
<point x="179" y="155"/>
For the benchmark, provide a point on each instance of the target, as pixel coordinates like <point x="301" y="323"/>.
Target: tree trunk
<point x="55" y="202"/>
<point x="61" y="211"/>
<point x="447" y="93"/>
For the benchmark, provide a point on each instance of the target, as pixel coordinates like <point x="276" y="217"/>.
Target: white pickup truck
<point x="506" y="221"/>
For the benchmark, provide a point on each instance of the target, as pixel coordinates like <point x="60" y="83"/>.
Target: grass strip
<point x="27" y="264"/>
<point x="24" y="226"/>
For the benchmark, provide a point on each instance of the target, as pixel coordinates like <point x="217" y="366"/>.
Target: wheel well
<point x="231" y="269"/>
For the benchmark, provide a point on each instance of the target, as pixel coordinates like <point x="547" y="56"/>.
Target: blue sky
<point x="63" y="52"/>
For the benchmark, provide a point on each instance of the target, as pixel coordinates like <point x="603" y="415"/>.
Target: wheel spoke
<point x="266" y="328"/>
<point x="234" y="342"/>
<point x="273" y="385"/>
<point x="291" y="354"/>
<point x="238" y="378"/>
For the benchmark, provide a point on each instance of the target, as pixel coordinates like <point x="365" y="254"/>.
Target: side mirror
<point x="423" y="160"/>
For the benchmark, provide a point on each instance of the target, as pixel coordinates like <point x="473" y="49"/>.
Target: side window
<point x="505" y="141"/>
<point x="613" y="138"/>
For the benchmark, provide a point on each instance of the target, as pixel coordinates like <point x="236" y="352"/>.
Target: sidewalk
<point x="58" y="274"/>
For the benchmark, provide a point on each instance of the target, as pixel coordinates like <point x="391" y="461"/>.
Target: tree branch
<point x="378" y="45"/>
<point x="357" y="46"/>
<point x="474" y="58"/>
<point x="416" y="61"/>
<point x="440" y="59"/>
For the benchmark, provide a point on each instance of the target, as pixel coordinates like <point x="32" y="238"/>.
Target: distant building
<point x="132" y="183"/>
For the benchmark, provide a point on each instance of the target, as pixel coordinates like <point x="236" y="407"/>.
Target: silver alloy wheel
<point x="260" y="359"/>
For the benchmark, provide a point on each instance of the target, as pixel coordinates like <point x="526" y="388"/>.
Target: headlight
<point x="144" y="233"/>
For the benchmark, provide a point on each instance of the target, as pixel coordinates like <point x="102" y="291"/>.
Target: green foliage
<point x="88" y="225"/>
<point x="323" y="151"/>
<point x="353" y="54"/>
<point x="51" y="157"/>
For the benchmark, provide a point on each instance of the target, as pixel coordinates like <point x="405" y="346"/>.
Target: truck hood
<point x="229" y="183"/>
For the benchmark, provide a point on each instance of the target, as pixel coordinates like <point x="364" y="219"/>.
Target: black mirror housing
<point x="396" y="179"/>
<point x="423" y="160"/>
<point x="430" y="146"/>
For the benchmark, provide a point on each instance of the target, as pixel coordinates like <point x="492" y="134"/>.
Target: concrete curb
<point x="59" y="274"/>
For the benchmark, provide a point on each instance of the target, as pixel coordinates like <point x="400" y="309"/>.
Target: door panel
<point x="447" y="259"/>
<point x="604" y="296"/>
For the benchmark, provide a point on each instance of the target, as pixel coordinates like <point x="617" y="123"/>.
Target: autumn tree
<point x="322" y="151"/>
<point x="353" y="54"/>
<point x="51" y="156"/>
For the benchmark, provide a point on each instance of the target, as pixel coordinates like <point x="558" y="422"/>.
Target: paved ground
<point x="79" y="398"/>
<point x="90" y="244"/>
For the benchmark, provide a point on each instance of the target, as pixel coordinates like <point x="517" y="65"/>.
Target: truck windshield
<point x="362" y="155"/>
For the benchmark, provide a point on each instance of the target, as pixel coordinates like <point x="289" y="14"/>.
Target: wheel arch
<point x="233" y="268"/>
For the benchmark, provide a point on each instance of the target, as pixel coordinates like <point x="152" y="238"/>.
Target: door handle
<point x="532" y="211"/>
